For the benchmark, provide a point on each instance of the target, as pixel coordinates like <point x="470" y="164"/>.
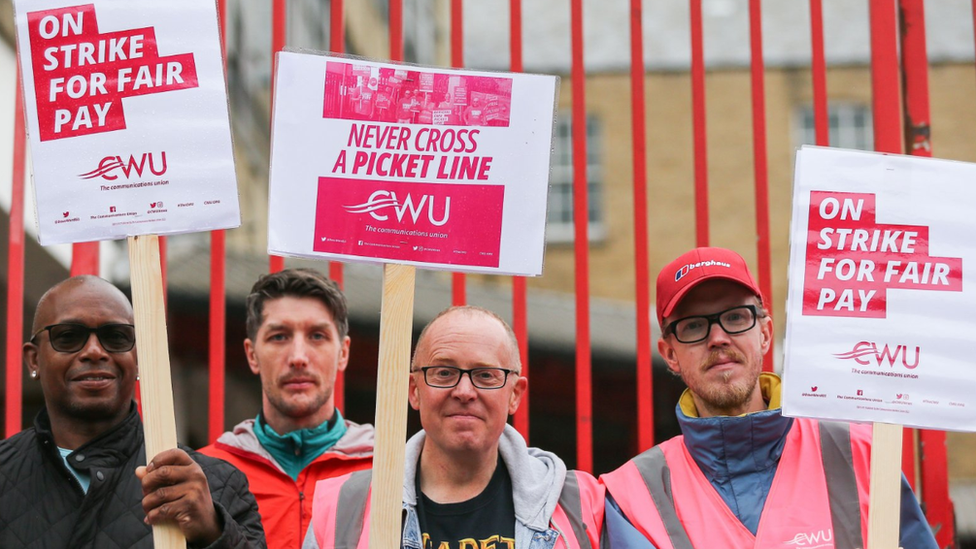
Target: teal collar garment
<point x="295" y="450"/>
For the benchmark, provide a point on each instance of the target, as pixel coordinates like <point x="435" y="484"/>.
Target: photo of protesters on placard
<point x="386" y="94"/>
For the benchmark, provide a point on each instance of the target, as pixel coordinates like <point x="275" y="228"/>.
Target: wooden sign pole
<point x="396" y="330"/>
<point x="884" y="516"/>
<point x="152" y="351"/>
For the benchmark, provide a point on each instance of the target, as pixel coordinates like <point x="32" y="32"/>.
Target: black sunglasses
<point x="71" y="338"/>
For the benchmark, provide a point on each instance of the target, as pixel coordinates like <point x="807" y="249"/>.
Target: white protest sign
<point x="402" y="164"/>
<point x="880" y="316"/>
<point x="127" y="117"/>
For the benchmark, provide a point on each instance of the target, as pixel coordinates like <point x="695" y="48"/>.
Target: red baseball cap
<point x="692" y="268"/>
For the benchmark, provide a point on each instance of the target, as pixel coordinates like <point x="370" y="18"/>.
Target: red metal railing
<point x="15" y="272"/>
<point x="698" y="121"/>
<point x="642" y="289"/>
<point x="520" y="309"/>
<point x="888" y="107"/>
<point x="581" y="218"/>
<point x="759" y="162"/>
<point x="934" y="478"/>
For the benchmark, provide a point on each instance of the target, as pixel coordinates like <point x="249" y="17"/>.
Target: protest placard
<point x="879" y="323"/>
<point x="403" y="164"/>
<point x="127" y="117"/>
<point x="408" y="166"/>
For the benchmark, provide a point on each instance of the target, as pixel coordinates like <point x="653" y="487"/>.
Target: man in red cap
<point x="741" y="474"/>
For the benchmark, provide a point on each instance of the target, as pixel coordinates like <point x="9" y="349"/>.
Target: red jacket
<point x="286" y="505"/>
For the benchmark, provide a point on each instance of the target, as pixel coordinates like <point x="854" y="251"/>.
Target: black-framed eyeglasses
<point x="447" y="377"/>
<point x="692" y="329"/>
<point x="71" y="338"/>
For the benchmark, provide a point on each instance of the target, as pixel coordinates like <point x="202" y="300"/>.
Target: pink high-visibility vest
<point x="340" y="512"/>
<point x="818" y="498"/>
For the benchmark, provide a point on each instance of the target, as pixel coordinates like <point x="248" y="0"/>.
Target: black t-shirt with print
<point x="486" y="520"/>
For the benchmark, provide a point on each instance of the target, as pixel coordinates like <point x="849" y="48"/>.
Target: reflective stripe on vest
<point x="351" y="509"/>
<point x="572" y="508"/>
<point x="840" y="493"/>
<point x="845" y="508"/>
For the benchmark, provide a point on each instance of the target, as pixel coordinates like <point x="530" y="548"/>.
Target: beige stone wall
<point x="670" y="173"/>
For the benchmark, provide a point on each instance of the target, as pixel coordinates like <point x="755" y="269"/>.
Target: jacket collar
<point x="356" y="442"/>
<point x="109" y="449"/>
<point x="537" y="477"/>
<point x="725" y="446"/>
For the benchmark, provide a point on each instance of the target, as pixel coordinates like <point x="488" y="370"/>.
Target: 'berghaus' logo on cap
<point x="682" y="272"/>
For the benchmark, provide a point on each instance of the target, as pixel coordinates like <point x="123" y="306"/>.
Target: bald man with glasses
<point x="470" y="481"/>
<point x="78" y="477"/>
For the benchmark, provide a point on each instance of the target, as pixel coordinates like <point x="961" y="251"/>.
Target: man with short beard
<point x="297" y="341"/>
<point x="741" y="475"/>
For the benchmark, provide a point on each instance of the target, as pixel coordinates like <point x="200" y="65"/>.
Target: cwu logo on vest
<point x="812" y="540"/>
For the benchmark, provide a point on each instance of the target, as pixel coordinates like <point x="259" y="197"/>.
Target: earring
<point x="33" y="374"/>
<point x="137" y="377"/>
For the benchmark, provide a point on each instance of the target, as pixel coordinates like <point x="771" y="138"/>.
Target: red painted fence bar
<point x="396" y="30"/>
<point x="886" y="99"/>
<point x="934" y="473"/>
<point x="458" y="280"/>
<point x="279" y="22"/>
<point x="84" y="258"/>
<point x="520" y="314"/>
<point x="13" y="414"/>
<point x="759" y="162"/>
<point x="584" y="402"/>
<point x="217" y="328"/>
<point x="819" y="70"/>
<point x="698" y="121"/>
<point x="645" y="382"/>
<point x="337" y="43"/>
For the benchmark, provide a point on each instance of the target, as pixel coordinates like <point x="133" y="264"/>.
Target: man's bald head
<point x="47" y="306"/>
<point x="469" y="310"/>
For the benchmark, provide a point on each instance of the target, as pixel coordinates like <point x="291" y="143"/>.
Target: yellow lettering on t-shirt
<point x="509" y="542"/>
<point x="467" y="543"/>
<point x="444" y="545"/>
<point x="427" y="544"/>
<point x="485" y="542"/>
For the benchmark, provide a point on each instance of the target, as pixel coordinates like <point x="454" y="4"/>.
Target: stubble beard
<point x="298" y="408"/>
<point x="730" y="394"/>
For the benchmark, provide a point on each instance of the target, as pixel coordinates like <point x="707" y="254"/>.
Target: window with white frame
<point x="849" y="126"/>
<point x="559" y="227"/>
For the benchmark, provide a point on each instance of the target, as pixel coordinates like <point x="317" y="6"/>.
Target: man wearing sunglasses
<point x="76" y="478"/>
<point x="470" y="482"/>
<point x="741" y="474"/>
<point x="297" y="341"/>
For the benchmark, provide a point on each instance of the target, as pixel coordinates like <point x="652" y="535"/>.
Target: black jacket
<point x="42" y="505"/>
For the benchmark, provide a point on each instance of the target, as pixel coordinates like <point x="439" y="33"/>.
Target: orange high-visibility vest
<point x="340" y="512"/>
<point x="818" y="498"/>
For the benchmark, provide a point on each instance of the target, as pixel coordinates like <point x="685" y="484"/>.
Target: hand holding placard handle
<point x="153" y="354"/>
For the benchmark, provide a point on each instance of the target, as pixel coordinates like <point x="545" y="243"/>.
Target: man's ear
<point x="343" y="355"/>
<point x="521" y="384"/>
<point x="414" y="393"/>
<point x="252" y="359"/>
<point x="766" y="333"/>
<point x="669" y="355"/>
<point x="30" y="358"/>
